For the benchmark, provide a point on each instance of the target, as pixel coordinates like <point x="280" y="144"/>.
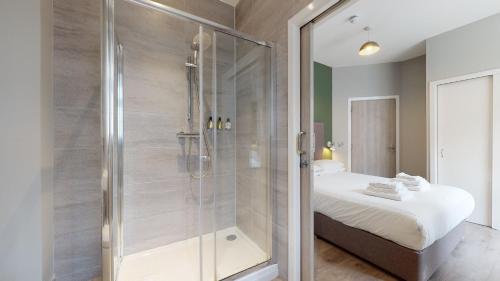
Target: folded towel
<point x="388" y="191"/>
<point x="401" y="196"/>
<point x="411" y="179"/>
<point x="414" y="186"/>
<point x="406" y="176"/>
<point x="413" y="183"/>
<point x="392" y="187"/>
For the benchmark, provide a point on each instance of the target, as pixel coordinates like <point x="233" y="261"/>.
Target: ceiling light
<point x="369" y="47"/>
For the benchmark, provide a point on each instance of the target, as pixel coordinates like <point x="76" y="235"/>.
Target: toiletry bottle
<point x="228" y="125"/>
<point x="210" y="123"/>
<point x="219" y="123"/>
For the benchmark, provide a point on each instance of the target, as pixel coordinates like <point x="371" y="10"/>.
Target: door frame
<point x="432" y="157"/>
<point x="314" y="10"/>
<point x="349" y="131"/>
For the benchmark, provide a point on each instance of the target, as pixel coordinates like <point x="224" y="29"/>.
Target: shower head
<point x="207" y="41"/>
<point x="192" y="60"/>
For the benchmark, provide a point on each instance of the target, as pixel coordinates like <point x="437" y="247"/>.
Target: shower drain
<point x="231" y="237"/>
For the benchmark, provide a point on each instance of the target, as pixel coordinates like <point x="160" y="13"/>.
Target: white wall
<point x="406" y="79"/>
<point x="468" y="49"/>
<point x="24" y="193"/>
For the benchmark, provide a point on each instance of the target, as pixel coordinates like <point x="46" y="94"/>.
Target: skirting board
<point x="267" y="273"/>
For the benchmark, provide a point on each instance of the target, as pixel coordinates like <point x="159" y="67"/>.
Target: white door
<point x="464" y="125"/>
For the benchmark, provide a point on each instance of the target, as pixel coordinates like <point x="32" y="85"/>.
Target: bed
<point x="408" y="238"/>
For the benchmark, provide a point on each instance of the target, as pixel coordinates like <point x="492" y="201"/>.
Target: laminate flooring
<point x="476" y="258"/>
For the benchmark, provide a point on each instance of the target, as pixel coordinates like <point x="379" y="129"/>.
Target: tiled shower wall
<point x="161" y="197"/>
<point x="77" y="215"/>
<point x="267" y="20"/>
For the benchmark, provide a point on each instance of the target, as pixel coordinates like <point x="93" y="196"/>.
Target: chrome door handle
<point x="299" y="143"/>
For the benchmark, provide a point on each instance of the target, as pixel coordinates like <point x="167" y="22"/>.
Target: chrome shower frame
<point x="112" y="129"/>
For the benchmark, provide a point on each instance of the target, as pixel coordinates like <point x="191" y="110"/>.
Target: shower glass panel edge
<point x="119" y="139"/>
<point x="110" y="261"/>
<point x="112" y="136"/>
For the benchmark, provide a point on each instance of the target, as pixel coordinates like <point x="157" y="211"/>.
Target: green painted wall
<point x="323" y="98"/>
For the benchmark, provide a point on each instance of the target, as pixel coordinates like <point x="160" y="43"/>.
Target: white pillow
<point x="329" y="166"/>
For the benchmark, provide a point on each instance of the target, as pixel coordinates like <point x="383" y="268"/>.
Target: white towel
<point x="405" y="176"/>
<point x="413" y="183"/>
<point x="401" y="196"/>
<point x="415" y="186"/>
<point x="393" y="187"/>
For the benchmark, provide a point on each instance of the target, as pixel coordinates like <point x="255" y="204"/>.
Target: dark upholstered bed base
<point x="403" y="262"/>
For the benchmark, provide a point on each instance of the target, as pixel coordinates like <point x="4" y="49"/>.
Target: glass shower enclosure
<point x="188" y="155"/>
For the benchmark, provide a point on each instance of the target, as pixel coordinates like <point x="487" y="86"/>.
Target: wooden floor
<point x="475" y="258"/>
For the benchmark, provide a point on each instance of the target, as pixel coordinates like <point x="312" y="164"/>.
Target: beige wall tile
<point x="77" y="255"/>
<point x="213" y="10"/>
<point x="76" y="165"/>
<point x="77" y="128"/>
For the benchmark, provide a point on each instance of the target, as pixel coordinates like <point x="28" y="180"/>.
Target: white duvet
<point x="414" y="223"/>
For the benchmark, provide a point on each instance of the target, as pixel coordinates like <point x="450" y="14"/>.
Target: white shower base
<point x="180" y="260"/>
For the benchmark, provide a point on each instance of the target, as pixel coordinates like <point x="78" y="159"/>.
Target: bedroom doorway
<point x="373" y="143"/>
<point x="405" y="64"/>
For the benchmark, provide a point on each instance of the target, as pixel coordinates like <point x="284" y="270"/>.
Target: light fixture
<point x="330" y="145"/>
<point x="369" y="47"/>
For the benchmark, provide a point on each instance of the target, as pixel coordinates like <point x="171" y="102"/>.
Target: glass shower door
<point x="190" y="147"/>
<point x="242" y="175"/>
<point x="235" y="128"/>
